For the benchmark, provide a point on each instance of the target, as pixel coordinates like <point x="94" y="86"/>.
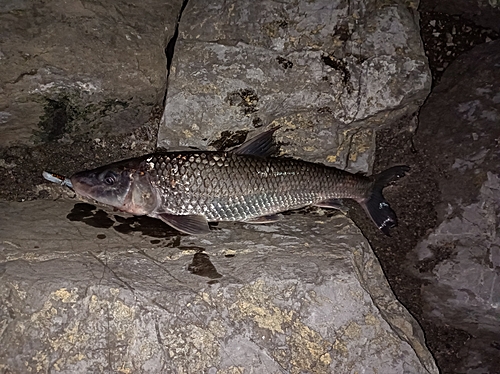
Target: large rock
<point x="103" y="293"/>
<point x="460" y="259"/>
<point x="81" y="83"/>
<point x="77" y="67"/>
<point x="329" y="72"/>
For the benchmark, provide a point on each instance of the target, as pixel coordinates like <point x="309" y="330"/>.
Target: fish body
<point x="189" y="189"/>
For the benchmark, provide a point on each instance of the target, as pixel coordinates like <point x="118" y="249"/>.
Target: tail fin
<point x="375" y="204"/>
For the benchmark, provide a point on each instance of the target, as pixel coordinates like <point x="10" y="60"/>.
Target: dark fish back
<point x="225" y="186"/>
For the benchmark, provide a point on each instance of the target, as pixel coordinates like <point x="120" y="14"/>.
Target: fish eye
<point x="110" y="178"/>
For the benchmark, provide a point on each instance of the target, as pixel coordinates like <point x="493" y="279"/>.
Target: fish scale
<point x="228" y="187"/>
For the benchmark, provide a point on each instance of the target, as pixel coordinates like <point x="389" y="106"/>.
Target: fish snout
<point x="83" y="182"/>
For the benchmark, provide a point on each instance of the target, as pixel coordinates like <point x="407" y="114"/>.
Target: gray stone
<point x="102" y="293"/>
<point x="460" y="259"/>
<point x="329" y="73"/>
<point x="76" y="67"/>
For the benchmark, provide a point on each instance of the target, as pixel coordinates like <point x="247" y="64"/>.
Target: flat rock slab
<point x="84" y="290"/>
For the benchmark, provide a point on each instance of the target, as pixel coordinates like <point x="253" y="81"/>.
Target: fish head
<point x="123" y="185"/>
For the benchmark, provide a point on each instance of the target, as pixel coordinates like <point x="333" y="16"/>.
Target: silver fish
<point x="189" y="189"/>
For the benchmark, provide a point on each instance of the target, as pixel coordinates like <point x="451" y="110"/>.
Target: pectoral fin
<point x="189" y="224"/>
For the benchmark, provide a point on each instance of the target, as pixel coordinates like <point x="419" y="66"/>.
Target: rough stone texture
<point x="485" y="13"/>
<point x="72" y="67"/>
<point x="460" y="259"/>
<point x="103" y="293"/>
<point x="328" y="72"/>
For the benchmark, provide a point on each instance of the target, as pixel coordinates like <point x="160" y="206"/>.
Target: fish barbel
<point x="189" y="189"/>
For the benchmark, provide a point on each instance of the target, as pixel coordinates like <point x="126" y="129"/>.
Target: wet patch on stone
<point x="202" y="266"/>
<point x="55" y="122"/>
<point x="84" y="212"/>
<point x="145" y="225"/>
<point x="167" y="242"/>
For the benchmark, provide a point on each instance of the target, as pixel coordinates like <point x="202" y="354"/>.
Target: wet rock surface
<point x="303" y="295"/>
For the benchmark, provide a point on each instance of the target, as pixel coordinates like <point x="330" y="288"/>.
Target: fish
<point x="189" y="189"/>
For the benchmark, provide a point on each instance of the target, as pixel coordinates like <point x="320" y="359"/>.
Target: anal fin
<point x="190" y="224"/>
<point x="333" y="204"/>
<point x="264" y="219"/>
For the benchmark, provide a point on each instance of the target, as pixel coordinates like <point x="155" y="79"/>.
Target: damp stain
<point x="88" y="214"/>
<point x="58" y="115"/>
<point x="145" y="225"/>
<point x="202" y="266"/>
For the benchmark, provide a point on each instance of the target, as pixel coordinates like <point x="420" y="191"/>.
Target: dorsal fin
<point x="262" y="145"/>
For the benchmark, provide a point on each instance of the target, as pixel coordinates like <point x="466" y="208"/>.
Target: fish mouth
<point x="88" y="188"/>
